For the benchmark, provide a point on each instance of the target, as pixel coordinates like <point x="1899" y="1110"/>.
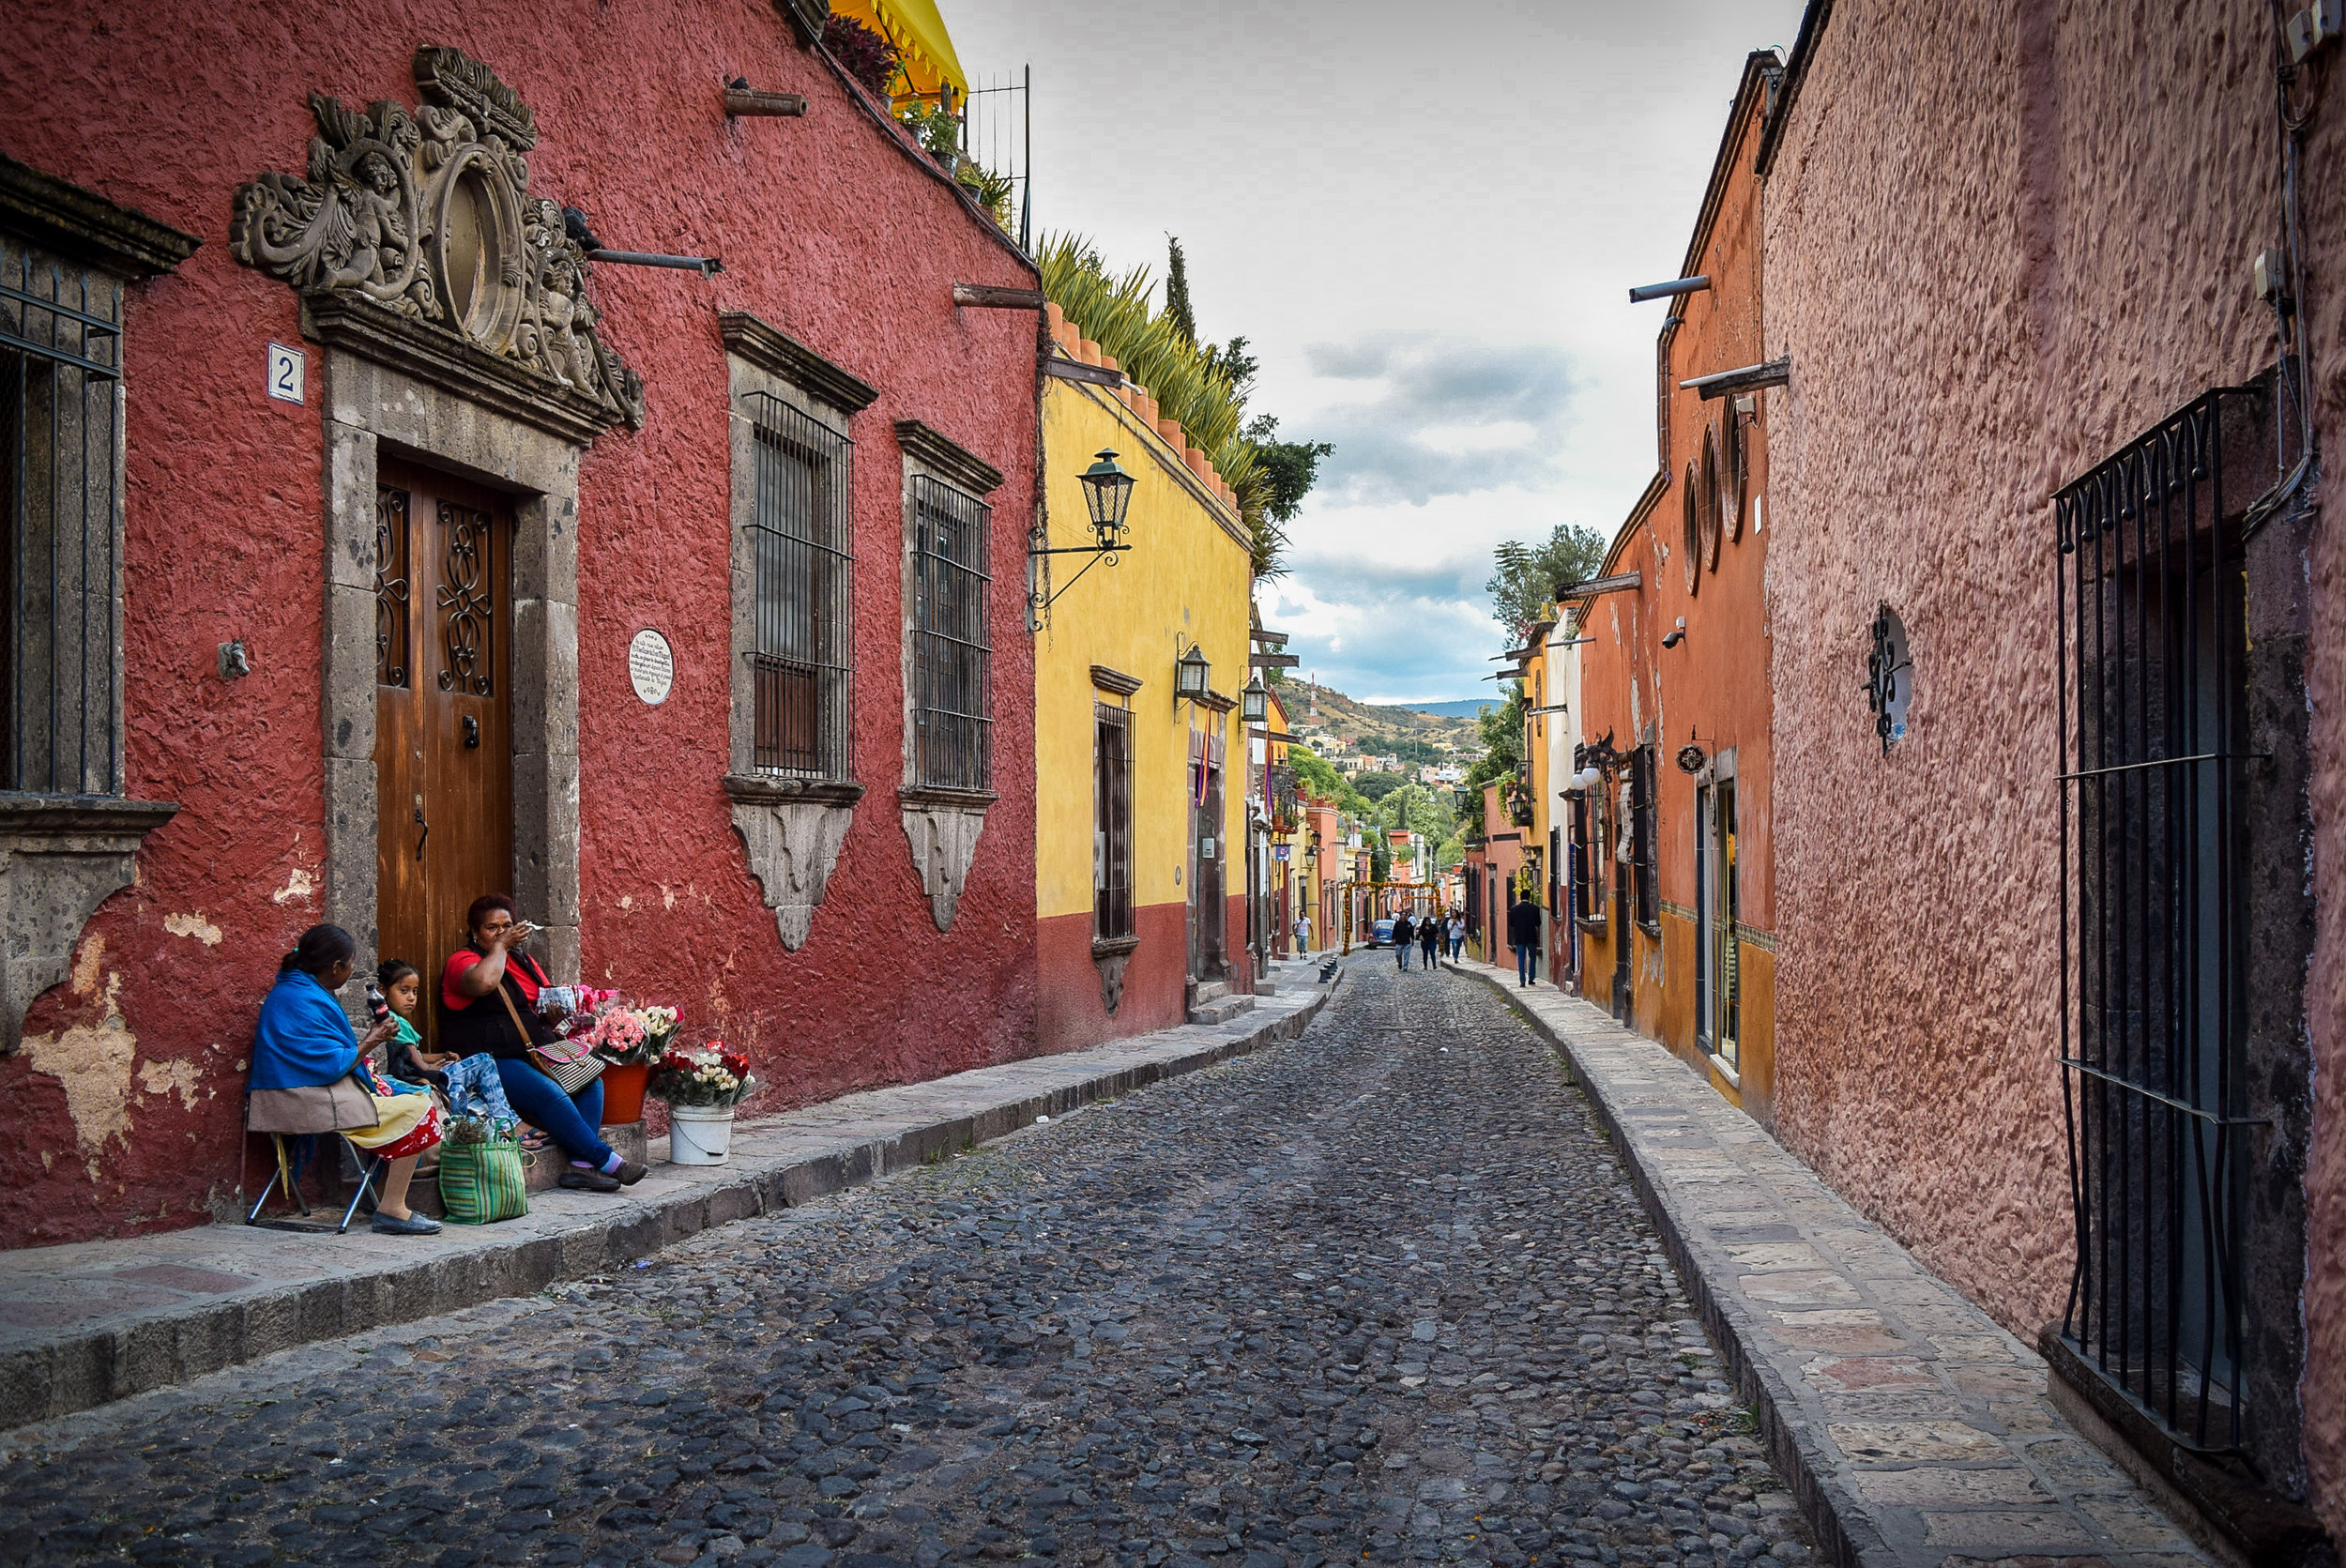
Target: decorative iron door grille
<point x="799" y="535"/>
<point x="1112" y="823"/>
<point x="953" y="653"/>
<point x="2150" y="595"/>
<point x="60" y="435"/>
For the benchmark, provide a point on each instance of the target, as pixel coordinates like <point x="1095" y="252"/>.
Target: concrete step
<point x="1211" y="991"/>
<point x="1221" y="1010"/>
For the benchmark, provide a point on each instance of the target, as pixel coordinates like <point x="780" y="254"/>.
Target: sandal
<point x="534" y="1140"/>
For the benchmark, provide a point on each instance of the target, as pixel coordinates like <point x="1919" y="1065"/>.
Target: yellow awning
<point x="920" y="38"/>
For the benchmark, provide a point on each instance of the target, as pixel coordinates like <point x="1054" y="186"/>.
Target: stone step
<point x="1221" y="1010"/>
<point x="1211" y="991"/>
<point x="541" y="1173"/>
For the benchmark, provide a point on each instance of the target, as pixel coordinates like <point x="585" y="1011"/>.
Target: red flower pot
<point x="623" y="1093"/>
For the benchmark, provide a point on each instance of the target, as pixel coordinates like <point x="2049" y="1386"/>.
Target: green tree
<point x="1525" y="577"/>
<point x="1500" y="730"/>
<point x="1322" y="779"/>
<point x="1177" y="306"/>
<point x="1380" y="856"/>
<point x="1290" y="469"/>
<point x="1375" y="786"/>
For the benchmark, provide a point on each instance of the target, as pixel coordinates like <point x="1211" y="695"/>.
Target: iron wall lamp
<point x="1255" y="702"/>
<point x="1107" y="496"/>
<point x="1192" y="676"/>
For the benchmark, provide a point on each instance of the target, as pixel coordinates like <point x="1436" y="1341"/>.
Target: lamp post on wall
<point x="1255" y="702"/>
<point x="1192" y="675"/>
<point x="1108" y="498"/>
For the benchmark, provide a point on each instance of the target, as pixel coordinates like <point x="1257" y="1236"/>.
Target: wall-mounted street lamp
<point x="1193" y="676"/>
<point x="1107" y="496"/>
<point x="1255" y="702"/>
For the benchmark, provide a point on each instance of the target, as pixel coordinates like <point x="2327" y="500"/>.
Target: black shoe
<point x="579" y="1178"/>
<point x="631" y="1173"/>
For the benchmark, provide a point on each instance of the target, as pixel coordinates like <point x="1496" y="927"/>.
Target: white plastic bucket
<point x="699" y="1134"/>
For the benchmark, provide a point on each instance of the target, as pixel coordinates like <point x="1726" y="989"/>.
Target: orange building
<point x="1667" y="805"/>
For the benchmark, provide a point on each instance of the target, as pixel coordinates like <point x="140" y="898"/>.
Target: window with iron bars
<point x="1644" y="884"/>
<point x="1112" y="823"/>
<point x="800" y="628"/>
<point x="2154" y="724"/>
<point x="953" y="653"/>
<point x="60" y="437"/>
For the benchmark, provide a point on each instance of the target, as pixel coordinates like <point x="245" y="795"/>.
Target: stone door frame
<point x="371" y="407"/>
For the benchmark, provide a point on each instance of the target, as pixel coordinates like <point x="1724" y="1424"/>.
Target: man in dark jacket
<point x="1523" y="934"/>
<point x="1403" y="935"/>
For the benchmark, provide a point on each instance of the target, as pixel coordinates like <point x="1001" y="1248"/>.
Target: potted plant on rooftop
<point x="701" y="1088"/>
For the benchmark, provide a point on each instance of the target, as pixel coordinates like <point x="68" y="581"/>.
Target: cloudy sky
<point x="1425" y="219"/>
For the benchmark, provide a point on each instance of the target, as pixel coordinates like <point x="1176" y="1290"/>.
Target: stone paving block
<point x="2034" y="1529"/>
<point x="1943" y="1486"/>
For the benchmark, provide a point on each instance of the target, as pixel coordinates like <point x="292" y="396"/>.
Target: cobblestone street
<point x="1383" y="1293"/>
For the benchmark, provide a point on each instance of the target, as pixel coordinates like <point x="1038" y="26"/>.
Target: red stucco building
<point x="437" y="558"/>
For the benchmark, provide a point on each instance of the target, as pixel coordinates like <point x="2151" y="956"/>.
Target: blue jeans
<point x="1527" y="964"/>
<point x="569" y="1119"/>
<point x="1401" y="953"/>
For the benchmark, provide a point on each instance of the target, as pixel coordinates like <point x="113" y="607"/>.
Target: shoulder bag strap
<point x="528" y="1042"/>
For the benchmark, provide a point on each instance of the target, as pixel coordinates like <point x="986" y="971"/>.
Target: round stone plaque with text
<point x="651" y="665"/>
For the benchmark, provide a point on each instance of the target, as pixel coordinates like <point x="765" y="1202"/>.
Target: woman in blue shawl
<point x="304" y="1058"/>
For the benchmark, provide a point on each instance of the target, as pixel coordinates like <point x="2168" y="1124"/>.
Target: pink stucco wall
<point x="830" y="229"/>
<point x="2001" y="238"/>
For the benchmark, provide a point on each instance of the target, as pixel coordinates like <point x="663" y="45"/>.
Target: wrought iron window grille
<point x="1889" y="676"/>
<point x="60" y="435"/>
<point x="953" y="653"/>
<point x="802" y="630"/>
<point x="1641" y="852"/>
<point x="2150" y="594"/>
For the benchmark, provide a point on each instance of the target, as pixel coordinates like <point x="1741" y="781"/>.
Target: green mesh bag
<point x="482" y="1183"/>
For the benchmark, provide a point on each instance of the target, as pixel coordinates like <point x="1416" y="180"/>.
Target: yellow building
<point x="1140" y="790"/>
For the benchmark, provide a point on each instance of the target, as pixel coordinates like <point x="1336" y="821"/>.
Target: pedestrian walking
<point x="1429" y="941"/>
<point x="1302" y="936"/>
<point x="1457" y="935"/>
<point x="1403" y="933"/>
<point x="1523" y="934"/>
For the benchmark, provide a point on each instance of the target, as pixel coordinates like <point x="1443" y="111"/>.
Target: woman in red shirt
<point x="488" y="1003"/>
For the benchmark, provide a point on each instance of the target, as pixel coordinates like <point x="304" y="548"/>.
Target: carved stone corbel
<point x="943" y="826"/>
<point x="60" y="858"/>
<point x="1109" y="956"/>
<point x="792" y="831"/>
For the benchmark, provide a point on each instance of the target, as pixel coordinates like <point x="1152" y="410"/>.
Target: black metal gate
<point x="2152" y="599"/>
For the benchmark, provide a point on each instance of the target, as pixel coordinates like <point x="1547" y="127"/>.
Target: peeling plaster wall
<point x="2001" y="240"/>
<point x="129" y="1096"/>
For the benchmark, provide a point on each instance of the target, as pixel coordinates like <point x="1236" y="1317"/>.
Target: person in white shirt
<point x="1302" y="935"/>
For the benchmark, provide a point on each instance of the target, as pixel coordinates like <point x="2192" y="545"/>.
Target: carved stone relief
<point x="944" y="843"/>
<point x="1110" y="958"/>
<point x="59" y="860"/>
<point x="792" y="846"/>
<point x="423" y="225"/>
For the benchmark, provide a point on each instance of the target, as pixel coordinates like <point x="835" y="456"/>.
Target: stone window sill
<point x="773" y="789"/>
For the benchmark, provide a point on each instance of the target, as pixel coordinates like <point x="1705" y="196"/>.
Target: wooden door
<point x="443" y="738"/>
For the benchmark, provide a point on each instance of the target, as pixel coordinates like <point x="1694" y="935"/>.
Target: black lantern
<point x="1107" y="492"/>
<point x="1191" y="675"/>
<point x="1255" y="702"/>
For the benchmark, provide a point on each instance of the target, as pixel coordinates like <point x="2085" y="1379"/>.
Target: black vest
<point x="486" y="1026"/>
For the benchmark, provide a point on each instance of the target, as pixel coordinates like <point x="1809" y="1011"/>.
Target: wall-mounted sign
<point x="651" y="665"/>
<point x="285" y="367"/>
<point x="1278" y="851"/>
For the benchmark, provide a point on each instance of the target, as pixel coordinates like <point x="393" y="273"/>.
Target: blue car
<point x="1380" y="934"/>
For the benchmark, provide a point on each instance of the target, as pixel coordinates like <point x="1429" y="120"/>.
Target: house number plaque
<point x="651" y="665"/>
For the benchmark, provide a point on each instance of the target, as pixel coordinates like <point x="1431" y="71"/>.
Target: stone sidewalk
<point x="87" y="1323"/>
<point x="1914" y="1431"/>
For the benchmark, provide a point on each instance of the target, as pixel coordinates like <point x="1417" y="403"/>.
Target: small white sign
<point x="286" y="368"/>
<point x="651" y="665"/>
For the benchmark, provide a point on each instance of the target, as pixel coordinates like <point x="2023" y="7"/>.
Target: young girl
<point x="470" y="1085"/>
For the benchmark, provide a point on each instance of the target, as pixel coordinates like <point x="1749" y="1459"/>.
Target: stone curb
<point x="80" y="1369"/>
<point x="1849" y="1530"/>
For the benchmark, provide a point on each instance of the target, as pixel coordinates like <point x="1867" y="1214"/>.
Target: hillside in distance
<point x="1411" y="733"/>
